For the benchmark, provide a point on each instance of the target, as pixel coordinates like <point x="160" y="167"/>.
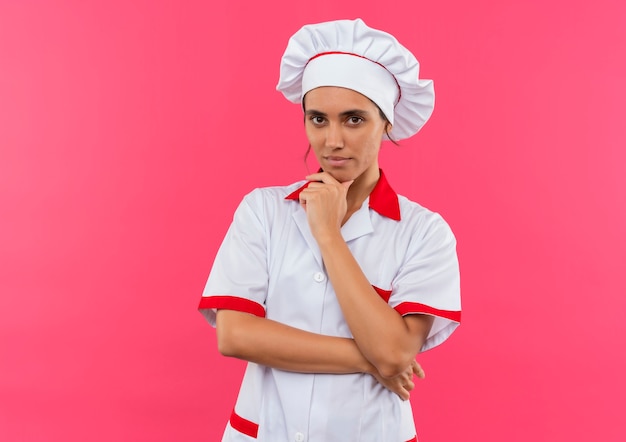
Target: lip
<point x="336" y="161"/>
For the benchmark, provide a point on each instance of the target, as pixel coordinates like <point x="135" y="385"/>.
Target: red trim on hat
<point x="383" y="198"/>
<point x="232" y="303"/>
<point x="408" y="308"/>
<point x="365" y="58"/>
<point x="243" y="425"/>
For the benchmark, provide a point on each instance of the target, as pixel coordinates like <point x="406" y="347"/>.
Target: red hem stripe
<point x="407" y="308"/>
<point x="232" y="303"/>
<point x="413" y="440"/>
<point x="244" y="426"/>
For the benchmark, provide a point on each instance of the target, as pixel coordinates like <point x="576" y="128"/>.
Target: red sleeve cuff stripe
<point x="407" y="308"/>
<point x="232" y="303"/>
<point x="385" y="294"/>
<point x="244" y="426"/>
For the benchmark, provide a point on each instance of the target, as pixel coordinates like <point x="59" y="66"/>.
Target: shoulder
<point x="267" y="201"/>
<point x="422" y="221"/>
<point x="273" y="193"/>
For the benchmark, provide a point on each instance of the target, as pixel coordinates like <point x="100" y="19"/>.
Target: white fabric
<point x="270" y="257"/>
<point x="416" y="101"/>
<point x="373" y="81"/>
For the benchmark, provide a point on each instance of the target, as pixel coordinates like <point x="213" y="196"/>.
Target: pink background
<point x="129" y="131"/>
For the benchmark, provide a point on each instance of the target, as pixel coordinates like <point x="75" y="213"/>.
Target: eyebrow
<point x="358" y="112"/>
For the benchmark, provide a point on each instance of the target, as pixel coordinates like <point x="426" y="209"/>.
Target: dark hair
<point x="382" y="115"/>
<point x="306" y="156"/>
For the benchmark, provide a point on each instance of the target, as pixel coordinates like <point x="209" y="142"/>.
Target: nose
<point x="334" y="136"/>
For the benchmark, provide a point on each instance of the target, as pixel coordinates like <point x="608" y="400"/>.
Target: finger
<point x="402" y="392"/>
<point x="324" y="177"/>
<point x="409" y="385"/>
<point x="314" y="185"/>
<point x="417" y="369"/>
<point x="347" y="184"/>
<point x="420" y="374"/>
<point x="404" y="395"/>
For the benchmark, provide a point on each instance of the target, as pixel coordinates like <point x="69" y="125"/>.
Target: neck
<point x="361" y="189"/>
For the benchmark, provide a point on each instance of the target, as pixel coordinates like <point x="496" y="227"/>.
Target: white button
<point x="299" y="437"/>
<point x="318" y="277"/>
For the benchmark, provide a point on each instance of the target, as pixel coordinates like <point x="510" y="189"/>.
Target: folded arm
<point x="273" y="344"/>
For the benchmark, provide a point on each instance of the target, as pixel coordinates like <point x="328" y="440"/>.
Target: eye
<point x="317" y="120"/>
<point x="355" y="120"/>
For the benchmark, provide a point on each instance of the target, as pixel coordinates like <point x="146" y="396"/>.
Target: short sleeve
<point x="428" y="281"/>
<point x="239" y="276"/>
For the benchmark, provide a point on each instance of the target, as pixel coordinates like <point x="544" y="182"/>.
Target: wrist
<point x="328" y="238"/>
<point x="368" y="368"/>
<point x="356" y="360"/>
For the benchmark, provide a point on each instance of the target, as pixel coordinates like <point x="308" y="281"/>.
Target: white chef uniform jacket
<point x="270" y="265"/>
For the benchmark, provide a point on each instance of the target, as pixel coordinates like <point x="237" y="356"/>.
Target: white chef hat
<point x="349" y="54"/>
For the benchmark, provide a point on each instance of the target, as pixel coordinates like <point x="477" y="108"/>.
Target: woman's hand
<point x="402" y="384"/>
<point x="325" y="203"/>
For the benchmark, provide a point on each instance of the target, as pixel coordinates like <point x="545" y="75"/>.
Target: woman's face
<point x="345" y="130"/>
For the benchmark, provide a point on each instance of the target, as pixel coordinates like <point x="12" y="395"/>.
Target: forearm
<point x="277" y="345"/>
<point x="384" y="337"/>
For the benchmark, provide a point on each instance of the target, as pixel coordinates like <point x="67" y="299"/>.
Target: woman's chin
<point x="341" y="177"/>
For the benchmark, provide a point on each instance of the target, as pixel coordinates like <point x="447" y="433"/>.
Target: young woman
<point x="330" y="287"/>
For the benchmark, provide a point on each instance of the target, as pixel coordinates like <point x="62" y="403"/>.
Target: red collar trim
<point x="383" y="198"/>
